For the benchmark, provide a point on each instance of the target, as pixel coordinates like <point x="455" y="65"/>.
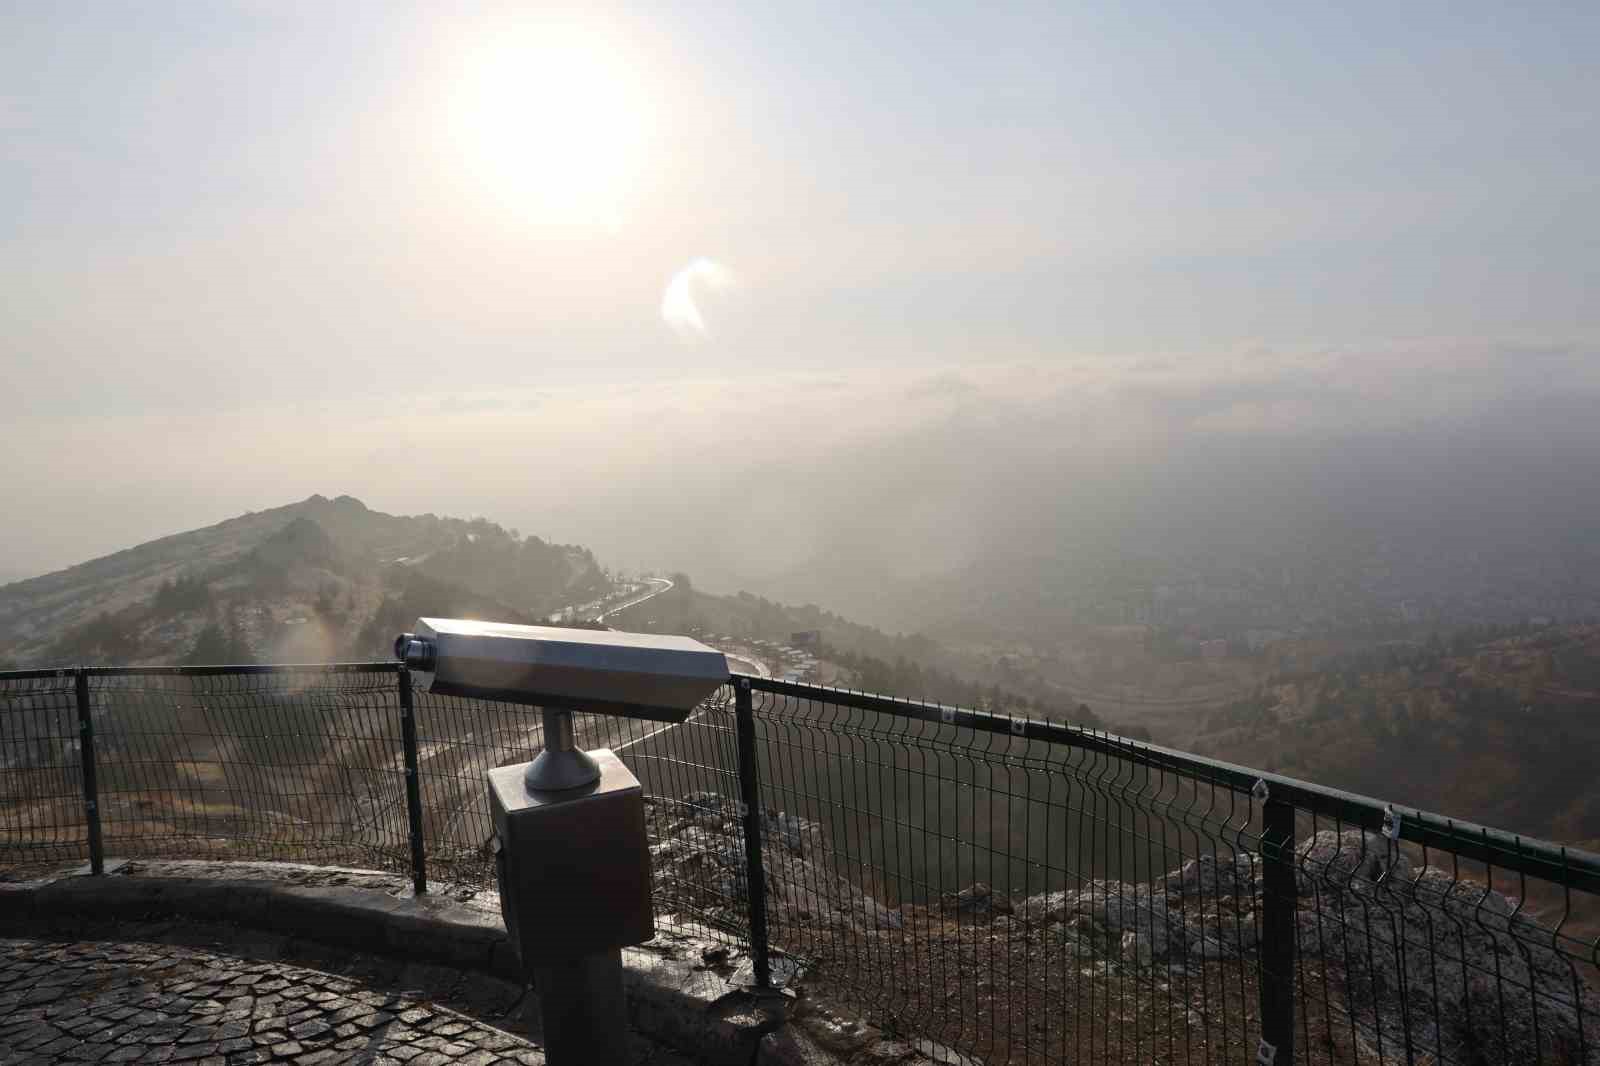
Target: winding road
<point x="659" y="585"/>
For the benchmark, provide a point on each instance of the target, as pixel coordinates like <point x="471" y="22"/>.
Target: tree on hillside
<point x="421" y="596"/>
<point x="104" y="639"/>
<point x="188" y="592"/>
<point x="220" y="643"/>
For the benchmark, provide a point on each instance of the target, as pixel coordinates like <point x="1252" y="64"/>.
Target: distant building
<point x="1213" y="649"/>
<point x="806" y="638"/>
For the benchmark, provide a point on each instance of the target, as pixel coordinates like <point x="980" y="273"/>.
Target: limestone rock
<point x="1210" y="875"/>
<point x="977" y="898"/>
<point x="1353" y="860"/>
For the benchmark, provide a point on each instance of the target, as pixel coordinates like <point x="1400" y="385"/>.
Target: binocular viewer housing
<point x="634" y="675"/>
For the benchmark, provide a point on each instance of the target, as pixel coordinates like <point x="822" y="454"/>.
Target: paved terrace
<point x="212" y="995"/>
<point x="197" y="961"/>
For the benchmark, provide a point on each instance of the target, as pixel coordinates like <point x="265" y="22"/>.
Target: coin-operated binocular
<point x="572" y="857"/>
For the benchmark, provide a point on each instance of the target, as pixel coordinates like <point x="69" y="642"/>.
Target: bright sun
<point x="549" y="124"/>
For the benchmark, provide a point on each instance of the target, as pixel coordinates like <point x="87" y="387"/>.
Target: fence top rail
<point x="1558" y="863"/>
<point x="201" y="671"/>
<point x="35" y="675"/>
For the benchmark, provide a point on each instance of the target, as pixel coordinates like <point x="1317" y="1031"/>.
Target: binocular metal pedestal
<point x="582" y="1010"/>
<point x="560" y="765"/>
<point x="574" y="871"/>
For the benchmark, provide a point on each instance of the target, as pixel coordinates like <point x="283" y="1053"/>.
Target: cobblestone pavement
<point x="188" y="995"/>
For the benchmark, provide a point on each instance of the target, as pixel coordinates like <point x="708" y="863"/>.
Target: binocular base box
<point x="573" y="865"/>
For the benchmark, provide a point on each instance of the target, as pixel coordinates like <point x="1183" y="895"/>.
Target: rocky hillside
<point x="1495" y="726"/>
<point x="312" y="581"/>
<point x="1398" y="962"/>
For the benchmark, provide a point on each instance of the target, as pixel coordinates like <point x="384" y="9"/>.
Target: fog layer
<point x="822" y="487"/>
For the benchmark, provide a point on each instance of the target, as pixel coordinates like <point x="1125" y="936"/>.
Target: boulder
<point x="977" y="898"/>
<point x="1136" y="948"/>
<point x="1450" y="963"/>
<point x="1353" y="860"/>
<point x="1046" y="907"/>
<point x="1210" y="875"/>
<point x="795" y="833"/>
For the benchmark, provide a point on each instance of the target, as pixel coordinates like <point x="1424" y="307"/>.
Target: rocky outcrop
<point x="1415" y="959"/>
<point x="1395" y="960"/>
<point x="1353" y="860"/>
<point x="697" y="855"/>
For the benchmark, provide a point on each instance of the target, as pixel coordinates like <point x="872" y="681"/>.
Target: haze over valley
<point x="1340" y="667"/>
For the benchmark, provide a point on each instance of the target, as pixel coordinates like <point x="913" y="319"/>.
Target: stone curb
<point x="676" y="1000"/>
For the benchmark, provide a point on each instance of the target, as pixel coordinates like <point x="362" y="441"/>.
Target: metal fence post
<point x="91" y="787"/>
<point x="750" y="800"/>
<point x="408" y="737"/>
<point x="1277" y="966"/>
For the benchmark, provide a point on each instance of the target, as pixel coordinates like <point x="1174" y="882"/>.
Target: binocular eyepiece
<point x="416" y="653"/>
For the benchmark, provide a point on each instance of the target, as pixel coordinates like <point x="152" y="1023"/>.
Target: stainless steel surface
<point x="558" y="730"/>
<point x="572" y="858"/>
<point x="635" y="674"/>
<point x="560" y="766"/>
<point x="575" y="863"/>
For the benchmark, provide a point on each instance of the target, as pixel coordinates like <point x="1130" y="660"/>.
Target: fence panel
<point x="42" y="817"/>
<point x="1027" y="892"/>
<point x="1410" y="952"/>
<point x="1021" y="900"/>
<point x="1021" y="891"/>
<point x="293" y="763"/>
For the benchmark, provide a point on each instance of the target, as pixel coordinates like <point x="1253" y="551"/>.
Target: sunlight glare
<point x="678" y="307"/>
<point x="549" y="124"/>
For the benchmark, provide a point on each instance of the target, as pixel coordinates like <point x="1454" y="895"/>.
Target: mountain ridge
<point x="331" y="564"/>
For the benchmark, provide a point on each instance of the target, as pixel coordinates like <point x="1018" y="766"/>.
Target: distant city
<point x="1254" y="606"/>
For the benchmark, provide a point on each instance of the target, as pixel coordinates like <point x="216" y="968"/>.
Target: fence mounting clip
<point x="1261" y="792"/>
<point x="1391" y="822"/>
<point x="947" y="715"/>
<point x="1018" y="725"/>
<point x="1266" y="1052"/>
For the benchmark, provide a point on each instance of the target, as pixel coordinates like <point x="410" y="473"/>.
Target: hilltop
<point x="317" y="580"/>
<point x="330" y="579"/>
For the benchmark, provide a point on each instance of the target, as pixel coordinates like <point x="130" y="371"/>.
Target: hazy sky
<point x="253" y="251"/>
